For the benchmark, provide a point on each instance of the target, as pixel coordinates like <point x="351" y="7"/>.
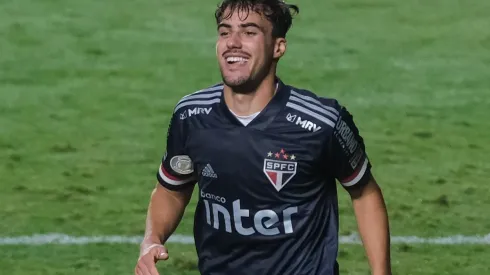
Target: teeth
<point x="236" y="59"/>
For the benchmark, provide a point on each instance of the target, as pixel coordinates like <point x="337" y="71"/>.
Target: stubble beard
<point x="247" y="84"/>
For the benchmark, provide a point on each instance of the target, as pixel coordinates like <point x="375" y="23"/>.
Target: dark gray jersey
<point x="268" y="193"/>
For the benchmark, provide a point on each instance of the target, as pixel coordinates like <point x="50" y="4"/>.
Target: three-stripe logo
<point x="208" y="171"/>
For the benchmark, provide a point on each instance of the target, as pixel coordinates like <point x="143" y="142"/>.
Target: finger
<point x="138" y="271"/>
<point x="153" y="270"/>
<point x="150" y="266"/>
<point x="160" y="253"/>
<point x="143" y="268"/>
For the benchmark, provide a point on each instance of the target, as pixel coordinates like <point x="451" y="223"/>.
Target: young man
<point x="265" y="157"/>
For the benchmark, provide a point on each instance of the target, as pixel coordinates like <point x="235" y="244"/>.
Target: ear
<point x="280" y="47"/>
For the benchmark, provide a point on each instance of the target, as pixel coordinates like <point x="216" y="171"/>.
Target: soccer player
<point x="266" y="157"/>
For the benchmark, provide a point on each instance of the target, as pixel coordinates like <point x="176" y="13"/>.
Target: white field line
<point x="43" y="239"/>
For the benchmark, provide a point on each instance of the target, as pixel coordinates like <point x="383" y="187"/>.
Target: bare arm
<point x="165" y="212"/>
<point x="372" y="220"/>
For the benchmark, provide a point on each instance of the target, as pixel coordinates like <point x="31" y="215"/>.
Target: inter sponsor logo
<point x="244" y="221"/>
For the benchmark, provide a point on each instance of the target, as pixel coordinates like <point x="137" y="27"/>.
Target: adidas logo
<point x="209" y="172"/>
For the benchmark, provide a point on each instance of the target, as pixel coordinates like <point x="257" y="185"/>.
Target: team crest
<point x="280" y="168"/>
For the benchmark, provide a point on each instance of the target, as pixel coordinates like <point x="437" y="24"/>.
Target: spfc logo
<point x="280" y="168"/>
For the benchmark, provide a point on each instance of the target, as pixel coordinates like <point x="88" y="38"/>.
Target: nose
<point x="234" y="41"/>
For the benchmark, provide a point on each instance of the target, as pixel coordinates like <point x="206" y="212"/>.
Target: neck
<point x="244" y="104"/>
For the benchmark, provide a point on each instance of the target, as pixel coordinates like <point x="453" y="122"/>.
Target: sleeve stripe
<point x="171" y="179"/>
<point x="167" y="174"/>
<point x="357" y="176"/>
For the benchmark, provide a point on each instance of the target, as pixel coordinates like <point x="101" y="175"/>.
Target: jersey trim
<point x="356" y="176"/>
<point x="201" y="97"/>
<point x="311" y="99"/>
<point x="313" y="107"/>
<point x="267" y="116"/>
<point x="198" y="102"/>
<point x="203" y="91"/>
<point x="172" y="180"/>
<point x="311" y="113"/>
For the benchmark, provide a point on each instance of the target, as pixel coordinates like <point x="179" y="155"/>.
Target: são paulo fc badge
<point x="280" y="168"/>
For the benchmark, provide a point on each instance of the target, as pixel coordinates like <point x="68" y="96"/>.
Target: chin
<point x="241" y="85"/>
<point x="235" y="81"/>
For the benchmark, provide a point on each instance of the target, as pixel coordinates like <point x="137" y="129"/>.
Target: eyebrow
<point x="223" y="25"/>
<point x="244" y="25"/>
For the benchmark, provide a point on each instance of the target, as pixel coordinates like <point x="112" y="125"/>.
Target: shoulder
<point x="202" y="97"/>
<point x="201" y="101"/>
<point x="323" y="110"/>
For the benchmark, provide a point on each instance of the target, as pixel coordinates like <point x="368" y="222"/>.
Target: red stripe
<point x="354" y="175"/>
<point x="167" y="174"/>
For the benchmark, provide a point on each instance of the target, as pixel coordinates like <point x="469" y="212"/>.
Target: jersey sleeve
<point x="176" y="169"/>
<point x="348" y="155"/>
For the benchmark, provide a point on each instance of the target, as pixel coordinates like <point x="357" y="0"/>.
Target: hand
<point x="149" y="256"/>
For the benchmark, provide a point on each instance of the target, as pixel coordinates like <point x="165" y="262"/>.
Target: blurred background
<point x="87" y="89"/>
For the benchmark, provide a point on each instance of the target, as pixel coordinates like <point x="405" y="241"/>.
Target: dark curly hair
<point x="277" y="12"/>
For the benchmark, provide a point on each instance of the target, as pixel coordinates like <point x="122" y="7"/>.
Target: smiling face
<point x="246" y="50"/>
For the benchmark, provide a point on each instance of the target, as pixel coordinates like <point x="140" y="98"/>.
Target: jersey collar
<point x="268" y="114"/>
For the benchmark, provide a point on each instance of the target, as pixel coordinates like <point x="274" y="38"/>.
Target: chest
<point x="260" y="164"/>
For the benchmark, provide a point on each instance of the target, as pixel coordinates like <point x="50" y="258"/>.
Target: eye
<point x="249" y="33"/>
<point x="223" y="33"/>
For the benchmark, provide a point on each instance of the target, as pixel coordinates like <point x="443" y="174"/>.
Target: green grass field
<point x="87" y="89"/>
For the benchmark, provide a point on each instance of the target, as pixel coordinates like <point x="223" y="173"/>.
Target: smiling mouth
<point x="236" y="60"/>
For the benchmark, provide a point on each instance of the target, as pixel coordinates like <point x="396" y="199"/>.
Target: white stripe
<point x="197" y="102"/>
<point x="310" y="113"/>
<point x="314" y="107"/>
<point x="56" y="238"/>
<point x="210" y="168"/>
<point x="219" y="87"/>
<point x="199" y="96"/>
<point x="171" y="181"/>
<point x="359" y="175"/>
<point x="310" y="99"/>
<point x="449" y="240"/>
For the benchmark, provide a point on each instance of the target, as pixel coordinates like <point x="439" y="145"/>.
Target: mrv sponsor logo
<point x="236" y="218"/>
<point x="195" y="111"/>
<point x="305" y="124"/>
